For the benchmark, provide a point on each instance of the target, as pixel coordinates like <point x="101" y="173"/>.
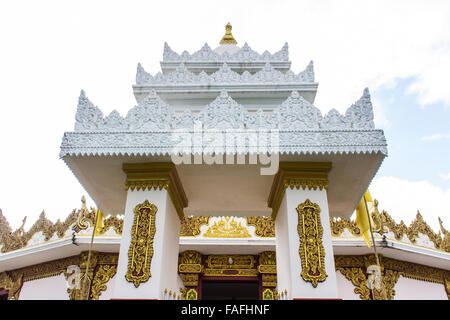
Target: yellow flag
<point x="362" y="220"/>
<point x="368" y="197"/>
<point x="99" y="222"/>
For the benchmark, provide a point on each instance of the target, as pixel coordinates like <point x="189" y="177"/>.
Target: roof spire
<point x="228" y="37"/>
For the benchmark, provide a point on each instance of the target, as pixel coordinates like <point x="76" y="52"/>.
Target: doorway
<point x="227" y="290"/>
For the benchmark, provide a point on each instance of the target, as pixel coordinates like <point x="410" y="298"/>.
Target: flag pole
<point x="86" y="277"/>
<point x="374" y="247"/>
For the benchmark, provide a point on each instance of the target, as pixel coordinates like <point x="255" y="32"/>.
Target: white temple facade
<point x="224" y="182"/>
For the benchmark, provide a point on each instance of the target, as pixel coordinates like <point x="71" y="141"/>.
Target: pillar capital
<point x="305" y="175"/>
<point x="157" y="175"/>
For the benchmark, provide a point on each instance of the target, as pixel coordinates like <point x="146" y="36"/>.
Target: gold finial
<point x="228" y="37"/>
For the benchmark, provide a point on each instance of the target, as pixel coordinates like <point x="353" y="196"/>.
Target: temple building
<point x="224" y="182"/>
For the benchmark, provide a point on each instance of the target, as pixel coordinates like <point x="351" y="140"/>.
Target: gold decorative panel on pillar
<point x="140" y="253"/>
<point x="311" y="250"/>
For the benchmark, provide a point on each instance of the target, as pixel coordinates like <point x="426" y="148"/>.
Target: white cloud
<point x="402" y="198"/>
<point x="445" y="176"/>
<point x="436" y="136"/>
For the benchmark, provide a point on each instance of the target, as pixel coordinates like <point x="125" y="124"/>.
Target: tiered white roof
<point x="244" y="54"/>
<point x="148" y="127"/>
<point x="219" y="92"/>
<point x="225" y="75"/>
<point x="252" y="79"/>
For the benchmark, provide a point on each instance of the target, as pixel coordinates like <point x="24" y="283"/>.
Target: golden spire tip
<point x="228" y="37"/>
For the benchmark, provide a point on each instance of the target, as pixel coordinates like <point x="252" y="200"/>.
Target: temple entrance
<point x="3" y="294"/>
<point x="230" y="290"/>
<point x="228" y="277"/>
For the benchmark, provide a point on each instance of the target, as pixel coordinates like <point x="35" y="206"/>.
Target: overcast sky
<point x="50" y="50"/>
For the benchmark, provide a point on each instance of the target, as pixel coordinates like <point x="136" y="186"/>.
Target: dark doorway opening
<point x="3" y="294"/>
<point x="224" y="290"/>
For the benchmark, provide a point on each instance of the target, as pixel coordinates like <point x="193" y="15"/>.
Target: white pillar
<point x="295" y="184"/>
<point x="159" y="190"/>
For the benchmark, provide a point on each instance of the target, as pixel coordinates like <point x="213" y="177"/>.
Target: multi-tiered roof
<point x="230" y="87"/>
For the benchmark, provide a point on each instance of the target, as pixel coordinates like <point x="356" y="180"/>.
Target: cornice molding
<point x="153" y="128"/>
<point x="244" y="54"/>
<point x="153" y="143"/>
<point x="152" y="114"/>
<point x="157" y="176"/>
<point x="225" y="75"/>
<point x="305" y="175"/>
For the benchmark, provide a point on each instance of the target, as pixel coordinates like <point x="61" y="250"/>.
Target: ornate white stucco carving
<point x="114" y="122"/>
<point x="298" y="114"/>
<point x="148" y="127"/>
<point x="142" y="76"/>
<point x="223" y="113"/>
<point x="225" y="75"/>
<point x="244" y="54"/>
<point x="333" y="120"/>
<point x="150" y="114"/>
<point x="88" y="117"/>
<point x="295" y="113"/>
<point x="360" y="114"/>
<point x="163" y="142"/>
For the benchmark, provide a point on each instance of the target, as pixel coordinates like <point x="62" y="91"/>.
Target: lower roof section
<point x="221" y="235"/>
<point x="227" y="189"/>
<point x="65" y="248"/>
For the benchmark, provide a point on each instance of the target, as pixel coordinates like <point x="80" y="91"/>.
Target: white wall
<point x="405" y="289"/>
<point x="108" y="293"/>
<point x="170" y="249"/>
<point x="346" y="289"/>
<point x="411" y="289"/>
<point x="282" y="251"/>
<point x="51" y="288"/>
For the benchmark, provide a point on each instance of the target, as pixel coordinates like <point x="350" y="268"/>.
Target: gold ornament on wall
<point x="358" y="279"/>
<point x="338" y="225"/>
<point x="112" y="222"/>
<point x="230" y="265"/>
<point x="10" y="241"/>
<point x="267" y="262"/>
<point x="12" y="283"/>
<point x="140" y="252"/>
<point x="268" y="295"/>
<point x="269" y="280"/>
<point x="311" y="250"/>
<point x="191" y="294"/>
<point x="102" y="276"/>
<point x="189" y="267"/>
<point x="264" y="226"/>
<point x="190" y="226"/>
<point x="447" y="287"/>
<point x="227" y="228"/>
<point x="85" y="218"/>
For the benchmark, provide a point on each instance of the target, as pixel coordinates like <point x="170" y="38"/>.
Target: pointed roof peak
<point x="228" y="37"/>
<point x="223" y="94"/>
<point x="366" y="92"/>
